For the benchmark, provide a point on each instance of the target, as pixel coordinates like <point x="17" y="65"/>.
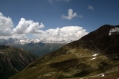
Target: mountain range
<point x="23" y="40"/>
<point x="37" y="47"/>
<point x="94" y="56"/>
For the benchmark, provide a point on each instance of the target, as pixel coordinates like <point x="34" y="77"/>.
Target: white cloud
<point x="27" y="26"/>
<point x="71" y="15"/>
<point x="5" y="32"/>
<point x="90" y="7"/>
<point x="67" y="33"/>
<point x="13" y="36"/>
<point x="6" y="25"/>
<point x="34" y="27"/>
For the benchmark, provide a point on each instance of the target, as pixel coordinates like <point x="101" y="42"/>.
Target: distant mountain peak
<point x="23" y="41"/>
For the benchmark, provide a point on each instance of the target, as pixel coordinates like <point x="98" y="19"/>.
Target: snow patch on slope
<point x="95" y="54"/>
<point x="116" y="30"/>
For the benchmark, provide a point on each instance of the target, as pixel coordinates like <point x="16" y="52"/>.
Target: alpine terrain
<point x="36" y="46"/>
<point x="13" y="60"/>
<point x="94" y="56"/>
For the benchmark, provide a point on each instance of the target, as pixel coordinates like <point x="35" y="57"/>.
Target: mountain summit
<point x="96" y="55"/>
<point x="103" y="40"/>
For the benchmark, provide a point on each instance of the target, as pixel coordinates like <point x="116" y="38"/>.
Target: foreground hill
<point x="95" y="55"/>
<point x="13" y="60"/>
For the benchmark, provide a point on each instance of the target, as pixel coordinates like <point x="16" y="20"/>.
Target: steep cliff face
<point x="89" y="57"/>
<point x="13" y="60"/>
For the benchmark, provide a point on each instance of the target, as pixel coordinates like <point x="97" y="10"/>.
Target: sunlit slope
<point x="94" y="54"/>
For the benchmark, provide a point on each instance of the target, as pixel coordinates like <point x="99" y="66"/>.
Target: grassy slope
<point x="74" y="59"/>
<point x="68" y="65"/>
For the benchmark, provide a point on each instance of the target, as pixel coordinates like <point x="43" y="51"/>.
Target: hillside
<point x="96" y="55"/>
<point x="13" y="60"/>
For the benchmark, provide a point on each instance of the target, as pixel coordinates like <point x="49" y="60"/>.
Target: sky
<point x="55" y="19"/>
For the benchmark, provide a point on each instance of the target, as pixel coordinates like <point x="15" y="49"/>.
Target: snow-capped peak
<point x="26" y="40"/>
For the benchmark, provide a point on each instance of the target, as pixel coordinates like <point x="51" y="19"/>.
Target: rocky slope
<point x="13" y="60"/>
<point x="94" y="55"/>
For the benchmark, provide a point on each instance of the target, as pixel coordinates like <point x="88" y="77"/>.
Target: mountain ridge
<point x="94" y="54"/>
<point x="23" y="40"/>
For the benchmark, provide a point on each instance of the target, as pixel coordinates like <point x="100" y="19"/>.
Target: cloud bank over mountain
<point x="65" y="33"/>
<point x="24" y="27"/>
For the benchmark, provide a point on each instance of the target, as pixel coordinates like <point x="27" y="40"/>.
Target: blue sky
<point x="56" y="15"/>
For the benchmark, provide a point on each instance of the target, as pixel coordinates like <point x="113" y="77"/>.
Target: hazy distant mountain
<point x="40" y="48"/>
<point x="35" y="46"/>
<point x="95" y="55"/>
<point x="23" y="40"/>
<point x="13" y="60"/>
